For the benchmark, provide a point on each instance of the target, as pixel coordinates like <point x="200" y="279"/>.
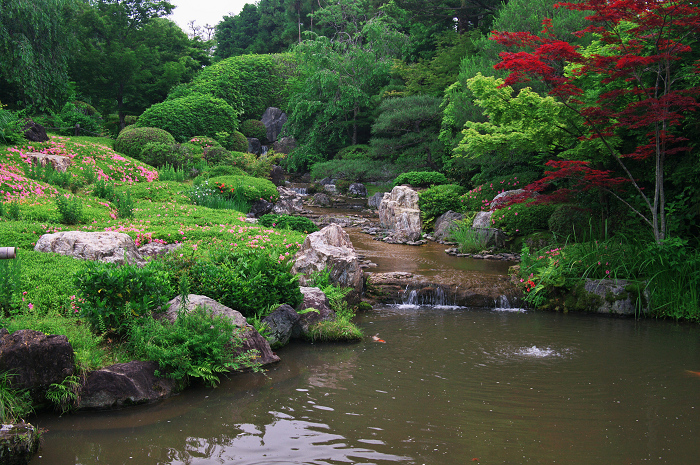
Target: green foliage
<point x="49" y="175"/>
<point x="468" y="239"/>
<point x="225" y="170"/>
<point x="254" y="128"/>
<point x="132" y="140"/>
<point x="570" y="223"/>
<point x="354" y="152"/>
<point x="204" y="142"/>
<point x="217" y="155"/>
<point x="295" y="223"/>
<point x="249" y="188"/>
<point x="81" y="113"/>
<point x="421" y="179"/>
<point x="479" y="198"/>
<point x="197" y="345"/>
<point x="341" y="328"/>
<point x="64" y="395"/>
<point x="10" y="284"/>
<point x="70" y="209"/>
<point x="159" y="154"/>
<point x="192" y="115"/>
<point x="15" y="404"/>
<point x="114" y="296"/>
<point x="358" y="169"/>
<point x="10" y="127"/>
<point x="234" y="141"/>
<point x="210" y="196"/>
<point x="437" y="200"/>
<point x="342" y="185"/>
<point x="521" y="219"/>
<point x="246" y="281"/>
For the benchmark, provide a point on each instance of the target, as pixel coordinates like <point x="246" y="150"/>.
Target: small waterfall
<point x="429" y="296"/>
<point x="503" y="304"/>
<point x="264" y="149"/>
<point x="300" y="190"/>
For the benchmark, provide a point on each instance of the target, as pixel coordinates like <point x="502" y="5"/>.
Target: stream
<point x="450" y="385"/>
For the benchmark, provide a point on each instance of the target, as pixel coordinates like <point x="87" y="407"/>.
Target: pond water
<point x="449" y="386"/>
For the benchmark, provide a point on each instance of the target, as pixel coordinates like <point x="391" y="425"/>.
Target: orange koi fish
<point x="696" y="373"/>
<point x="375" y="338"/>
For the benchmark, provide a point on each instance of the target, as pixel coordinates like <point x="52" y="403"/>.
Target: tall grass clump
<point x="342" y="328"/>
<point x="15" y="404"/>
<point x="468" y="239"/>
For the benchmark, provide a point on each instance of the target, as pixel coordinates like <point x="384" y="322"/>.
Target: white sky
<point x="204" y="11"/>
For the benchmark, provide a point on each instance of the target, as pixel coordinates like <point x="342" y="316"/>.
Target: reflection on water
<point x="448" y="386"/>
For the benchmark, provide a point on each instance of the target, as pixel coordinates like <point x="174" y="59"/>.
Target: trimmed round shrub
<point x="158" y="154"/>
<point x="568" y="221"/>
<point x="217" y="155"/>
<point x="235" y="141"/>
<point x="295" y="223"/>
<point x="132" y="140"/>
<point x="204" y="142"/>
<point x="188" y="116"/>
<point x="437" y="200"/>
<point x="250" y="188"/>
<point x="254" y="128"/>
<point x="225" y="170"/>
<point x="420" y="179"/>
<point x="522" y="219"/>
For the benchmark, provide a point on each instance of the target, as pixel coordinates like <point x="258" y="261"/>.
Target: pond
<point x="449" y="385"/>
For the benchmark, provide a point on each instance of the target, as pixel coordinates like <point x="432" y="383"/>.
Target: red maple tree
<point x="645" y="42"/>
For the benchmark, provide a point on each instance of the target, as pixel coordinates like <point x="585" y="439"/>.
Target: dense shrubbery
<point x="234" y="141"/>
<point x="568" y="222"/>
<point x="358" y="169"/>
<point x="189" y="116"/>
<point x="246" y="281"/>
<point x="521" y="219"/>
<point x="250" y="188"/>
<point x="132" y="140"/>
<point x="421" y="178"/>
<point x="295" y="223"/>
<point x="437" y="200"/>
<point x="254" y="128"/>
<point x="217" y="155"/>
<point x="113" y="296"/>
<point x="81" y="113"/>
<point x="10" y="127"/>
<point x="479" y="198"/>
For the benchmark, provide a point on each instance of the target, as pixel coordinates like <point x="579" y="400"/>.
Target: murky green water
<point x="448" y="386"/>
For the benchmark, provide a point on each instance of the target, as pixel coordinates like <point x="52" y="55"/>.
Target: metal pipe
<point x="8" y="253"/>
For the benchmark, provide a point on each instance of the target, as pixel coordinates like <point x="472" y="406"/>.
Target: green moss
<point x="335" y="331"/>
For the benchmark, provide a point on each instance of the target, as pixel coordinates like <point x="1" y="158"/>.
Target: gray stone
<point x="321" y="199"/>
<point x="59" y="163"/>
<point x="399" y="212"/>
<point x="125" y="384"/>
<point x="357" y="189"/>
<point x="18" y="443"/>
<point x="254" y="145"/>
<point x="330" y="248"/>
<point x="280" y="324"/>
<point x="156" y="249"/>
<point x="482" y="220"/>
<point x="503" y="197"/>
<point x="284" y="145"/>
<point x="444" y="225"/>
<point x="314" y="298"/>
<point x="259" y="208"/>
<point x="325" y="181"/>
<point x="290" y="202"/>
<point x="37" y="360"/>
<point x="375" y="200"/>
<point x="273" y="119"/>
<point x="492" y="237"/>
<point x="110" y="247"/>
<point x="277" y="175"/>
<point x="34" y="131"/>
<point x="612" y="297"/>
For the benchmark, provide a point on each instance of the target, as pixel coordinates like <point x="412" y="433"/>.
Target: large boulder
<point x="330" y="248"/>
<point x="284" y="145"/>
<point x="317" y="310"/>
<point x="105" y="246"/>
<point x="58" y="162"/>
<point x="36" y="360"/>
<point x="609" y="296"/>
<point x="505" y="196"/>
<point x="34" y="132"/>
<point x="259" y="208"/>
<point x="290" y="202"/>
<point x="444" y="225"/>
<point x="400" y="213"/>
<point x="157" y="249"/>
<point x="277" y="175"/>
<point x="273" y="119"/>
<point x="249" y="336"/>
<point x="280" y="325"/>
<point x="321" y="199"/>
<point x="254" y="145"/>
<point x="357" y="189"/>
<point x="125" y="384"/>
<point x="375" y="200"/>
<point x="482" y="220"/>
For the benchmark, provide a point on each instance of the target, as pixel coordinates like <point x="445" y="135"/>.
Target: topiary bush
<point x="295" y="223"/>
<point x="437" y="200"/>
<point x="217" y="155"/>
<point x="159" y="154"/>
<point x="522" y="219"/>
<point x="132" y="140"/>
<point x="234" y="141"/>
<point x="421" y="178"/>
<point x="191" y="115"/>
<point x="250" y="188"/>
<point x="254" y="128"/>
<point x="204" y="142"/>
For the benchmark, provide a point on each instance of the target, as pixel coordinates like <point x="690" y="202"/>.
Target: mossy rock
<point x="18" y="443"/>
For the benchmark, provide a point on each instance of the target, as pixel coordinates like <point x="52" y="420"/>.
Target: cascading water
<point x="434" y="296"/>
<point x="503" y="304"/>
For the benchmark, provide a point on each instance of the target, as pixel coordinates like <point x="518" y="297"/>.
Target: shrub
<point x="354" y="152"/>
<point x="225" y="170"/>
<point x="15" y="404"/>
<point x="70" y="209"/>
<point x="217" y="155"/>
<point x="569" y="222"/>
<point x="49" y="175"/>
<point x="115" y="295"/>
<point x="81" y="113"/>
<point x="420" y="179"/>
<point x="295" y="223"/>
<point x="254" y="128"/>
<point x="11" y="124"/>
<point x="197" y="345"/>
<point x="246" y="281"/>
<point x="358" y="169"/>
<point x="132" y="140"/>
<point x="159" y="154"/>
<point x="204" y="142"/>
<point x="188" y="116"/>
<point x="342" y="185"/>
<point x="479" y="198"/>
<point x="250" y="188"/>
<point x="437" y="200"/>
<point x="521" y="219"/>
<point x="234" y="141"/>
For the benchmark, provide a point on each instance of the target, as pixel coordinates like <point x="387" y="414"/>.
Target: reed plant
<point x="468" y="239"/>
